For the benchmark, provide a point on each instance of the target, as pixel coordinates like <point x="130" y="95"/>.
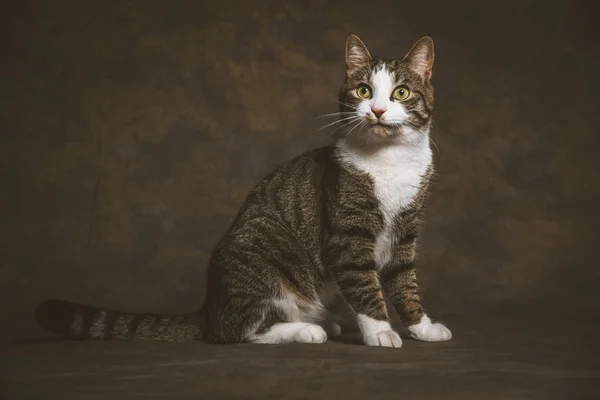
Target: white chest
<point x="397" y="172"/>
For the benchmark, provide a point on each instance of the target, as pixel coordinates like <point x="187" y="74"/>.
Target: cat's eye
<point x="401" y="93"/>
<point x="364" y="92"/>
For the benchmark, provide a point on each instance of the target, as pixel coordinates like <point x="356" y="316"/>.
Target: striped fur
<point x="78" y="321"/>
<point x="339" y="222"/>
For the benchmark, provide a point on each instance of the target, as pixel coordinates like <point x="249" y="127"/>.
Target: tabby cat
<point x="337" y="222"/>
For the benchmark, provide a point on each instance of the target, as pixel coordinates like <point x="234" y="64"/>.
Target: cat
<point x="338" y="222"/>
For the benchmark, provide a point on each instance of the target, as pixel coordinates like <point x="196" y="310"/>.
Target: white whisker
<point x="355" y="126"/>
<point x="369" y="137"/>
<point x="335" y="114"/>
<point x="338" y="122"/>
<point x="346" y="124"/>
<point x="344" y="104"/>
<point x="436" y="146"/>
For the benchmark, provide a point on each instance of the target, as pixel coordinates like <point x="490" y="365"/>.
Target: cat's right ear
<point x="420" y="57"/>
<point x="357" y="55"/>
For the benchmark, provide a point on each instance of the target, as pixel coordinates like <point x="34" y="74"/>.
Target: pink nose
<point x="378" y="112"/>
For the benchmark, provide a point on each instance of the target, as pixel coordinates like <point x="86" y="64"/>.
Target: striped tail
<point x="77" y="321"/>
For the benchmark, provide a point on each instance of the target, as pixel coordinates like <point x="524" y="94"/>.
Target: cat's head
<point x="387" y="100"/>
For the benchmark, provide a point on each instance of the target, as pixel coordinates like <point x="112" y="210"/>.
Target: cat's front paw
<point x="430" y="332"/>
<point x="378" y="332"/>
<point x="384" y="339"/>
<point x="310" y="334"/>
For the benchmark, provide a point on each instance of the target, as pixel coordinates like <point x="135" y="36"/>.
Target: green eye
<point x="401" y="93"/>
<point x="363" y="92"/>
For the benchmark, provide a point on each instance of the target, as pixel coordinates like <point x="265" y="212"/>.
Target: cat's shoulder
<point x="317" y="157"/>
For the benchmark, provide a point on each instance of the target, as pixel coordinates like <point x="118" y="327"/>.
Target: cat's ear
<point x="357" y="55"/>
<point x="420" y="58"/>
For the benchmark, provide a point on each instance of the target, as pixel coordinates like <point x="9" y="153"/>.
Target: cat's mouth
<point x="383" y="124"/>
<point x="379" y="123"/>
<point x="384" y="131"/>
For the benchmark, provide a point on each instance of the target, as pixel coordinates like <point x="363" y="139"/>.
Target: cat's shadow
<point x="354" y="338"/>
<point x="347" y="338"/>
<point x="350" y="337"/>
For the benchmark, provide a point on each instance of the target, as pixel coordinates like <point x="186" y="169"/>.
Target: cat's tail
<point x="78" y="321"/>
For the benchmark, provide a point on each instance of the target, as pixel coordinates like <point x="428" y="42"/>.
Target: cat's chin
<point x="384" y="132"/>
<point x="378" y="135"/>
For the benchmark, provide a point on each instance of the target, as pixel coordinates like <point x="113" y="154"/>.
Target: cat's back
<point x="294" y="188"/>
<point x="300" y="174"/>
<point x="292" y="194"/>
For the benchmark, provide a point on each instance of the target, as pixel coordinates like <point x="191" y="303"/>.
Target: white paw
<point x="310" y="334"/>
<point x="378" y="333"/>
<point x="384" y="339"/>
<point x="428" y="332"/>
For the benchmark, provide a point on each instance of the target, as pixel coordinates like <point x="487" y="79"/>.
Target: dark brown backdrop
<point x="132" y="131"/>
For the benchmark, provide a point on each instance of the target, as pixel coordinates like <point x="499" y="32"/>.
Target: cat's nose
<point x="378" y="111"/>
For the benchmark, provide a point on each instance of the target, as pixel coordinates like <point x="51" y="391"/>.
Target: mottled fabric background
<point x="131" y="132"/>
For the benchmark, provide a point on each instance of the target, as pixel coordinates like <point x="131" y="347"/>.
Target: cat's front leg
<point x="358" y="281"/>
<point x="399" y="279"/>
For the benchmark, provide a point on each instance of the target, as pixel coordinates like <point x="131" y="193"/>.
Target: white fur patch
<point x="383" y="85"/>
<point x="369" y="326"/>
<point x="378" y="333"/>
<point x="397" y="170"/>
<point x="429" y="332"/>
<point x="289" y="332"/>
<point x="296" y="309"/>
<point x="299" y="313"/>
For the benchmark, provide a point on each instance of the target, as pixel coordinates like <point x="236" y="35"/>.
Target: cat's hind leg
<point x="291" y="319"/>
<point x="290" y="332"/>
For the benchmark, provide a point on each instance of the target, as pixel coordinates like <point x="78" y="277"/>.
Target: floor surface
<point x="496" y="358"/>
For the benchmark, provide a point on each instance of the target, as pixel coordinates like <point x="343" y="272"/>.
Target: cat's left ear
<point x="420" y="58"/>
<point x="357" y="55"/>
